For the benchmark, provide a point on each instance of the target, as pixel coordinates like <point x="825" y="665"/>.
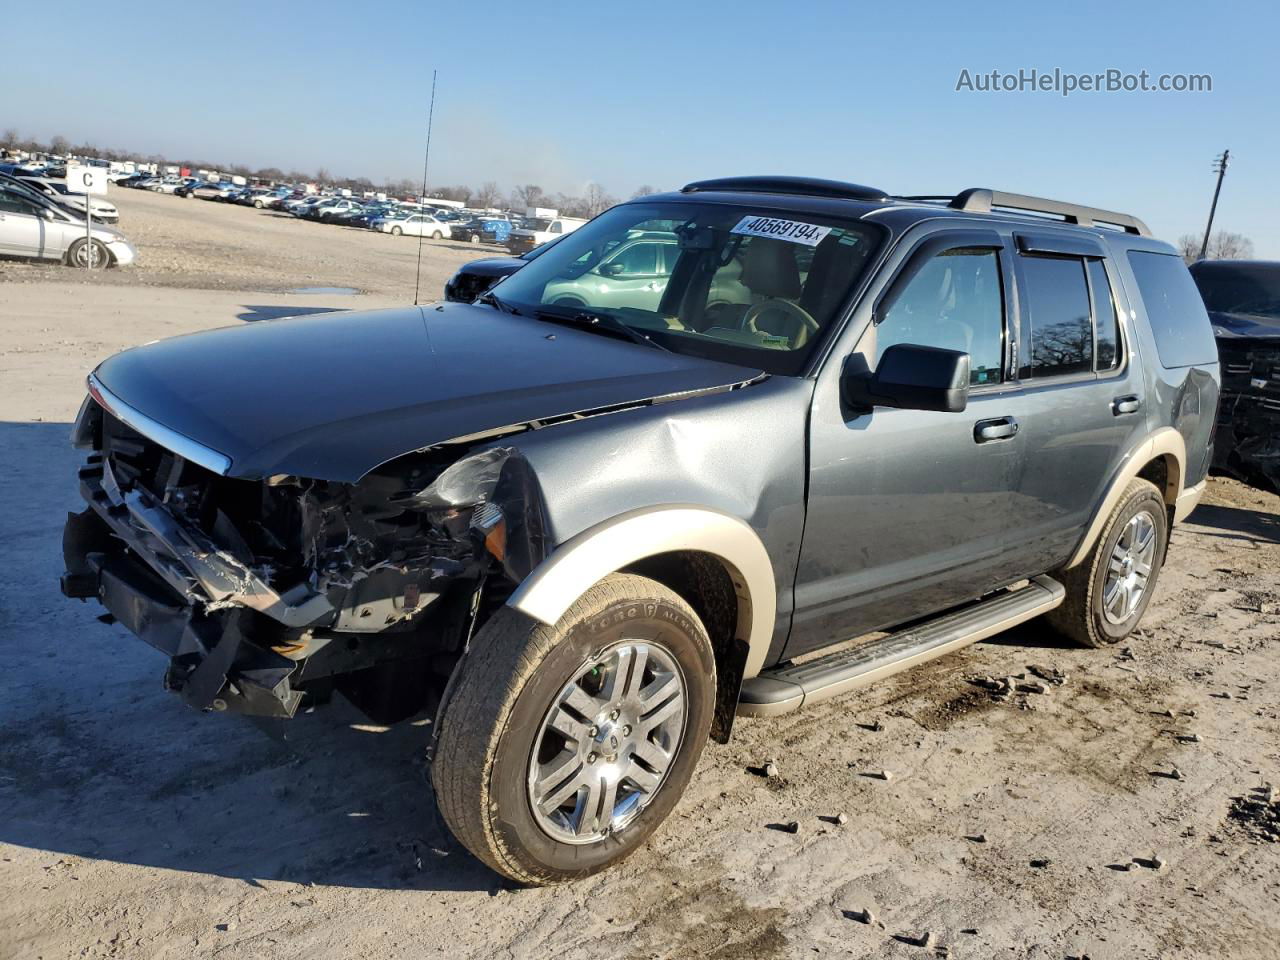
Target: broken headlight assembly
<point x="262" y="591"/>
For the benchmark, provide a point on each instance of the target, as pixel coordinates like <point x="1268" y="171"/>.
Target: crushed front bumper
<point x="214" y="665"/>
<point x="220" y="658"/>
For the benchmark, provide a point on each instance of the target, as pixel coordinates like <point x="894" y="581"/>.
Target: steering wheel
<point x="753" y="313"/>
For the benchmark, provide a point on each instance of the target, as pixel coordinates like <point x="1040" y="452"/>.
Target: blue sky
<point x="660" y="93"/>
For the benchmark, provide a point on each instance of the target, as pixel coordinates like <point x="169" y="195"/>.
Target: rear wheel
<point x="259" y="204"/>
<point x="562" y="748"/>
<point x="437" y="235"/>
<point x="396" y="231"/>
<point x="88" y="254"/>
<point x="474" y="238"/>
<point x="1109" y="591"/>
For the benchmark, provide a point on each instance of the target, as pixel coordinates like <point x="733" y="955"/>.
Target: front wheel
<point x="88" y="254"/>
<point x="396" y="231"/>
<point x="1108" y="592"/>
<point x="259" y="204"/>
<point x="562" y="748"/>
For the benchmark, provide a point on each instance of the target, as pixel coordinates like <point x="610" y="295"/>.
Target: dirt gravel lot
<point x="1028" y="827"/>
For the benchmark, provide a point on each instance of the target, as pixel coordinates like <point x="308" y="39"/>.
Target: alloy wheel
<point x="1129" y="568"/>
<point x="606" y="743"/>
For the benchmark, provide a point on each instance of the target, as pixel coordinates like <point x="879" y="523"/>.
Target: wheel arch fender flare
<point x="1165" y="443"/>
<point x="628" y="538"/>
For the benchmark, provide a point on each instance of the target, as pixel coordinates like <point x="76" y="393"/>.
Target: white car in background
<point x="56" y="190"/>
<point x="31" y="226"/>
<point x="414" y="224"/>
<point x="167" y="185"/>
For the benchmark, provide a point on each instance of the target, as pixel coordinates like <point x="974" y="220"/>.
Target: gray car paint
<point x="741" y="452"/>
<point x="908" y="515"/>
<point x="886" y="532"/>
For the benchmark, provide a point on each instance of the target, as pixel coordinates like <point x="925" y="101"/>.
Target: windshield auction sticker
<point x="810" y="234"/>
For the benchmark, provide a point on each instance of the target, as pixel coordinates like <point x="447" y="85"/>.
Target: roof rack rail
<point x="982" y="200"/>
<point x="798" y="186"/>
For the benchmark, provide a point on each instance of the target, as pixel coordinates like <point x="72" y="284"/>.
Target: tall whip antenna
<point x="426" y="158"/>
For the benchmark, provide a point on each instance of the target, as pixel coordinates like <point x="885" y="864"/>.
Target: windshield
<point x="1240" y="287"/>
<point x="726" y="282"/>
<point x="536" y="224"/>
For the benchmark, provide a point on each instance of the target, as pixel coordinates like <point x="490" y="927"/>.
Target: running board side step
<point x="790" y="686"/>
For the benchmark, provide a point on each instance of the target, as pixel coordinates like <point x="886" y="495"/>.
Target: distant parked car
<point x="188" y="189"/>
<point x="56" y="190"/>
<point x="416" y="225"/>
<point x="33" y="226"/>
<point x="331" y="209"/>
<point x="261" y="198"/>
<point x="538" y="230"/>
<point x="299" y="206"/>
<point x="213" y="191"/>
<point x="166" y="185"/>
<point x="482" y="230"/>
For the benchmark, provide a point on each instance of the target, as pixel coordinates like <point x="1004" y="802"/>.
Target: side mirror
<point x="612" y="269"/>
<point x="46" y="214"/>
<point x="910" y="377"/>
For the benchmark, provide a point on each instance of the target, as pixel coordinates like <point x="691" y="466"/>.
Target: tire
<point x="518" y="675"/>
<point x="396" y="231"/>
<point x="1084" y="617"/>
<point x="89" y="255"/>
<point x="437" y="235"/>
<point x="568" y="302"/>
<point x="259" y="204"/>
<point x="474" y="238"/>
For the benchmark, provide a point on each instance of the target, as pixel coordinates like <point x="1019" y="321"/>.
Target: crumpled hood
<point x="1244" y="325"/>
<point x="333" y="396"/>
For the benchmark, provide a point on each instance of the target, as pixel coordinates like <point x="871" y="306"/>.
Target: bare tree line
<point x="595" y="198"/>
<point x="1223" y="245"/>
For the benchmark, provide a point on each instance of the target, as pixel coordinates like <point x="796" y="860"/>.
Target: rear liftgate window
<point x="1174" y="309"/>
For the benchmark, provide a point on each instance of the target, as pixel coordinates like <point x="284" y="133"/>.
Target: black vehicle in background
<point x="476" y="277"/>
<point x="1243" y="300"/>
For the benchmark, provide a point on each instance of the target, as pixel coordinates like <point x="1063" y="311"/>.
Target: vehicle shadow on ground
<point x="1237" y="523"/>
<point x="254" y="312"/>
<point x="97" y="761"/>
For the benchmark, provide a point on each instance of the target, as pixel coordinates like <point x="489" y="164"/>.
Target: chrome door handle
<point x="1126" y="404"/>
<point x="1001" y="428"/>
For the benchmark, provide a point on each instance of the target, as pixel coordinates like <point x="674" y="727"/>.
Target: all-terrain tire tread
<point x="504" y="653"/>
<point x="1073" y="618"/>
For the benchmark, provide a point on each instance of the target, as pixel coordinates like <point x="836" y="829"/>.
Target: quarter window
<point x="1174" y="309"/>
<point x="1057" y="333"/>
<point x="1106" y="318"/>
<point x="954" y="301"/>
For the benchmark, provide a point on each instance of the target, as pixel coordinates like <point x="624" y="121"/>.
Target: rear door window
<point x="1175" y="311"/>
<point x="1057" y="331"/>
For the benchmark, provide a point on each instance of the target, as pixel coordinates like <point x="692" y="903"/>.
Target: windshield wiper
<point x="497" y="304"/>
<point x="603" y="322"/>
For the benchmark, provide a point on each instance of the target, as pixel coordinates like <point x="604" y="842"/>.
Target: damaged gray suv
<point x="777" y="415"/>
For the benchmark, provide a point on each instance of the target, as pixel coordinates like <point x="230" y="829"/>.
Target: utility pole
<point x="1220" y="168"/>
